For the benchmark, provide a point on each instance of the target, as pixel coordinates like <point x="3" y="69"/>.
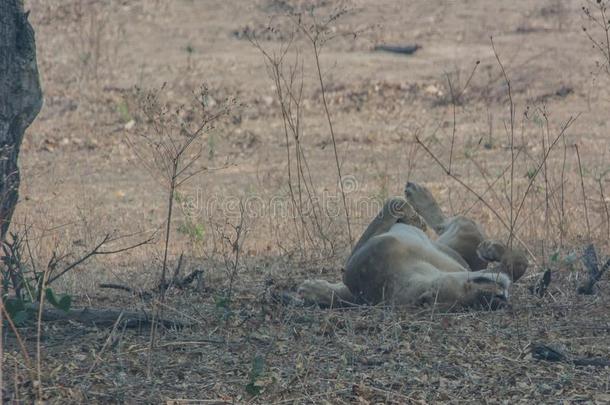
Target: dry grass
<point x="81" y="180"/>
<point x="365" y="354"/>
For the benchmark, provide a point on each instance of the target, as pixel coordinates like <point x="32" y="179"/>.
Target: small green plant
<point x="123" y="110"/>
<point x="256" y="384"/>
<point x="189" y="55"/>
<point x="211" y="147"/>
<point x="566" y="261"/>
<point x="62" y="302"/>
<point x="223" y="304"/>
<point x="23" y="284"/>
<point x="194" y="231"/>
<point x="189" y="227"/>
<point x="383" y="191"/>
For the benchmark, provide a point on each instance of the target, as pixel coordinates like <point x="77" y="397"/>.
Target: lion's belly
<point x="410" y="235"/>
<point x="394" y="264"/>
<point x="417" y="246"/>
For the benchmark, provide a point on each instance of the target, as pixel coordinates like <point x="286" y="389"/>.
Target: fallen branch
<point x="176" y="281"/>
<point x="540" y="351"/>
<point x="139" y="293"/>
<point x="108" y="317"/>
<point x="401" y="50"/>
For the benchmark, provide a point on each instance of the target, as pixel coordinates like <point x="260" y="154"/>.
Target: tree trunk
<point x="20" y="99"/>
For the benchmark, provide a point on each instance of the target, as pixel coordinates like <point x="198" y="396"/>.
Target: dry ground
<point x="81" y="180"/>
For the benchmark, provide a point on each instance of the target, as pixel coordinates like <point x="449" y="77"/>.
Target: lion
<point x="395" y="263"/>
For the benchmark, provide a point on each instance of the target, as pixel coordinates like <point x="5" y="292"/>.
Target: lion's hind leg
<point x="325" y="294"/>
<point x="424" y="203"/>
<point x="511" y="262"/>
<point x="395" y="209"/>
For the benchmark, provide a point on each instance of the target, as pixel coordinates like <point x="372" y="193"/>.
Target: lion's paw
<point x="400" y="209"/>
<point x="491" y="250"/>
<point x="424" y="203"/>
<point x="488" y="291"/>
<point x="316" y="292"/>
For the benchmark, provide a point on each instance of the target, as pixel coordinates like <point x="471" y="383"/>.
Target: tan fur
<point x="395" y="262"/>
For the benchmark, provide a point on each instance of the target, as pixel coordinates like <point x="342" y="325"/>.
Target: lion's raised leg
<point x="464" y="236"/>
<point x="424" y="203"/>
<point x="394" y="210"/>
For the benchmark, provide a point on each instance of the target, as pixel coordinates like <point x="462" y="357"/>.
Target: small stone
<point x="129" y="125"/>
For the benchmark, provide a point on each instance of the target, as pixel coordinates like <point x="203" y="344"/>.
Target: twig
<point x="140" y="294"/>
<point x="601" y="192"/>
<point x="332" y="135"/>
<point x="39" y="333"/>
<point x="455" y="99"/>
<point x="584" y="194"/>
<point x="13" y="328"/>
<point x="568" y="123"/>
<point x="1" y="333"/>
<point x="461" y="182"/>
<point x="106" y="344"/>
<point x="512" y="142"/>
<point x="96" y="251"/>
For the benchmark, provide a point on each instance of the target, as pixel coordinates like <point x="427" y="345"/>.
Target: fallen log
<point x="541" y="351"/>
<point x="108" y="317"/>
<point x="401" y="50"/>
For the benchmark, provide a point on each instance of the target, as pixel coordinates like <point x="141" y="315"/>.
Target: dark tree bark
<point x="20" y="99"/>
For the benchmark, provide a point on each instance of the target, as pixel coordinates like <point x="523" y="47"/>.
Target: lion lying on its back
<point x="395" y="262"/>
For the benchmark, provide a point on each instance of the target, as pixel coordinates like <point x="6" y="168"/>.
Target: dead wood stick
<point x="105" y="317"/>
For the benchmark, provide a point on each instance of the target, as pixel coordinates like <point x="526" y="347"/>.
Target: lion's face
<point x="487" y="292"/>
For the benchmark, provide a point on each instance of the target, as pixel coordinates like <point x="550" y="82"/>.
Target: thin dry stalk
<point x="455" y="99"/>
<point x="1" y="334"/>
<point x="461" y="182"/>
<point x="561" y="134"/>
<point x="584" y="194"/>
<point x="602" y="22"/>
<point x="152" y="340"/>
<point x="512" y="142"/>
<point x="106" y="344"/>
<point x="235" y="244"/>
<point x="562" y="222"/>
<point x="165" y="148"/>
<point x="316" y="52"/>
<point x="39" y="333"/>
<point x="26" y="356"/>
<point x="288" y="79"/>
<point x="317" y="35"/>
<point x="603" y="197"/>
<point x="546" y="180"/>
